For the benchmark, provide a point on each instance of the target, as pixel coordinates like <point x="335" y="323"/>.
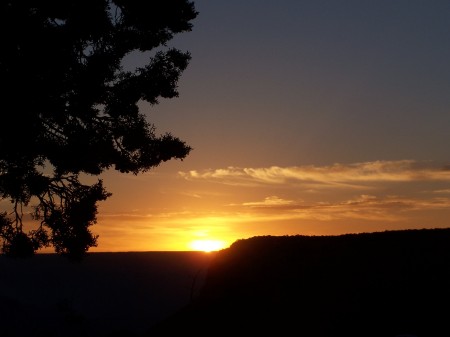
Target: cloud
<point x="364" y="207"/>
<point x="355" y="176"/>
<point x="444" y="191"/>
<point x="398" y="171"/>
<point x="269" y="202"/>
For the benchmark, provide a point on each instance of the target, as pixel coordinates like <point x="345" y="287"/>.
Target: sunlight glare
<point x="207" y="245"/>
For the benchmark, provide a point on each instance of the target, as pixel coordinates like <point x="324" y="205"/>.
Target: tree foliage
<point x="70" y="109"/>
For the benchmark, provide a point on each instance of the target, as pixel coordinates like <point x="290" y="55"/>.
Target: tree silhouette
<point x="70" y="109"/>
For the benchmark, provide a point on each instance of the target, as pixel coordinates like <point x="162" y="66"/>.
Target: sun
<point x="207" y="245"/>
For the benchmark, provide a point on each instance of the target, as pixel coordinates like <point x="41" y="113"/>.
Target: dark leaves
<point x="69" y="109"/>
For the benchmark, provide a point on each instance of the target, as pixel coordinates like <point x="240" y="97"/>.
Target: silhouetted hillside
<point x="375" y="284"/>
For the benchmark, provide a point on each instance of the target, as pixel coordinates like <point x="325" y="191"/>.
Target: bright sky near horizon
<point x="306" y="117"/>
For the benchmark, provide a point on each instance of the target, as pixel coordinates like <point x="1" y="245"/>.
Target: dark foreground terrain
<point x="107" y="294"/>
<point x="386" y="284"/>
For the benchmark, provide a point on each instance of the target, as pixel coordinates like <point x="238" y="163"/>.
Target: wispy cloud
<point x="269" y="202"/>
<point x="384" y="209"/>
<point x="336" y="175"/>
<point x="444" y="191"/>
<point x="365" y="207"/>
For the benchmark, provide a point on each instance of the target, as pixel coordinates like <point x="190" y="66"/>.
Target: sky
<point x="305" y="118"/>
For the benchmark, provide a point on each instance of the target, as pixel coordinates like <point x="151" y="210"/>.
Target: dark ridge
<point x="392" y="283"/>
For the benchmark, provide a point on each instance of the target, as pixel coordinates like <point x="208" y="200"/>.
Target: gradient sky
<point x="305" y="117"/>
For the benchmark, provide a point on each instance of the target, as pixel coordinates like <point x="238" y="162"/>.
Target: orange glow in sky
<point x="304" y="118"/>
<point x="210" y="209"/>
<point x="207" y="245"/>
